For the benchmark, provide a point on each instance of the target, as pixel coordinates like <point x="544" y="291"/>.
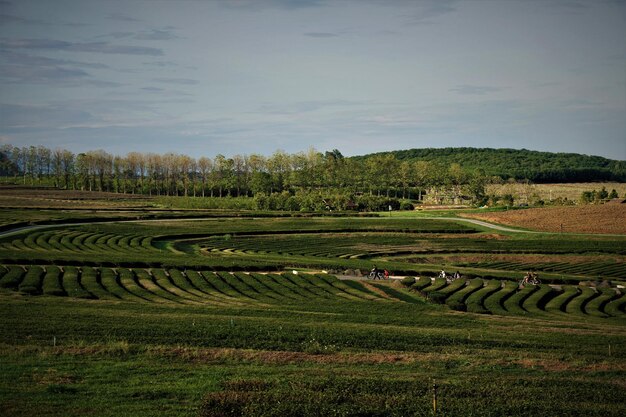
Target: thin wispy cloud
<point x="22" y="68"/>
<point x="97" y="47"/>
<point x="256" y="5"/>
<point x="425" y="12"/>
<point x="475" y="90"/>
<point x="16" y="58"/>
<point x="306" y="106"/>
<point x="15" y="73"/>
<point x="321" y="34"/>
<point x="161" y="64"/>
<point x="156" y="35"/>
<point x="8" y="19"/>
<point x="179" y="81"/>
<point x="146" y="35"/>
<point x="122" y="17"/>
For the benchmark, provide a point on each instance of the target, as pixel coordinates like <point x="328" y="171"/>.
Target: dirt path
<point x="481" y="223"/>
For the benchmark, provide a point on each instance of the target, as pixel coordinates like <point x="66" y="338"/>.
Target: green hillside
<point x="539" y="167"/>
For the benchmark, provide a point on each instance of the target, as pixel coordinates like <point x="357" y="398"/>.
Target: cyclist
<point x="374" y="272"/>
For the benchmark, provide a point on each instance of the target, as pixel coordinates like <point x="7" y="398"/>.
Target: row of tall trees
<point x="174" y="174"/>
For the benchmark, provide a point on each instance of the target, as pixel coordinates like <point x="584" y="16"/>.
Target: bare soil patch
<point x="607" y="218"/>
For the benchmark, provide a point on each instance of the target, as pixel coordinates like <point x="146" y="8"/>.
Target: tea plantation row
<point x="222" y="288"/>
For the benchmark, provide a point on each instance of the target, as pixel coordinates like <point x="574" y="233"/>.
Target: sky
<point x="256" y="76"/>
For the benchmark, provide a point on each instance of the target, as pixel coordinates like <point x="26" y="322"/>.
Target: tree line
<point x="254" y="175"/>
<point x="522" y="164"/>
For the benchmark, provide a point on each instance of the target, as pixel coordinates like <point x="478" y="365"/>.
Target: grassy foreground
<point x="339" y="357"/>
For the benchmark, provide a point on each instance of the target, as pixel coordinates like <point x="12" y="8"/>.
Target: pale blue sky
<point x="254" y="76"/>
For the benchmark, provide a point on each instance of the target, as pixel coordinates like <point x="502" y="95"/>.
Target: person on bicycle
<point x="374" y="272"/>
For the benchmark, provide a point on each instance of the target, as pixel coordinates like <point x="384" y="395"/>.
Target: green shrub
<point x="408" y="281"/>
<point x="12" y="278"/>
<point x="421" y="283"/>
<point x="437" y="297"/>
<point x="405" y="205"/>
<point x="457" y="306"/>
<point x="32" y="281"/>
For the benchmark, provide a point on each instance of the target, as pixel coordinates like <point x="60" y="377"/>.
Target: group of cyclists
<point x="448" y="277"/>
<point x="531" y="278"/>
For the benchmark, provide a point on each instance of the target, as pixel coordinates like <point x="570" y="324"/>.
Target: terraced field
<point x="222" y="288"/>
<point x="273" y="244"/>
<point x="207" y="318"/>
<point x="601" y="269"/>
<point x="176" y="286"/>
<point x="506" y="297"/>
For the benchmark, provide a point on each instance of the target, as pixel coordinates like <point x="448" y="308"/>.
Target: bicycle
<point x="376" y="275"/>
<point x="529" y="280"/>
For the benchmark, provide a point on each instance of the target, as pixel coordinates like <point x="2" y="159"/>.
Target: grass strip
<point x="513" y="304"/>
<point x="616" y="307"/>
<point x="275" y="287"/>
<point x="13" y="277"/>
<point x="51" y="284"/>
<point x="475" y="302"/>
<point x="149" y="290"/>
<point x="596" y="306"/>
<point x="537" y="301"/>
<point x="162" y="280"/>
<point x="559" y="303"/>
<point x="576" y="305"/>
<point x="31" y="284"/>
<point x="71" y="283"/>
<point x="495" y="302"/>
<point x="457" y="300"/>
<point x="90" y="281"/>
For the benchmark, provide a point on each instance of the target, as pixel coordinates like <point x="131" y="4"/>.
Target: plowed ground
<point x="607" y="218"/>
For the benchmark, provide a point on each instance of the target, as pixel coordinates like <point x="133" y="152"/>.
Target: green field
<point x="205" y="317"/>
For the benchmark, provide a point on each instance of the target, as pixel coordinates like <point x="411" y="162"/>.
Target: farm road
<point x="482" y="223"/>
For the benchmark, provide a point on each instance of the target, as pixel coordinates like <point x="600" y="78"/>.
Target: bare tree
<point x="204" y="165"/>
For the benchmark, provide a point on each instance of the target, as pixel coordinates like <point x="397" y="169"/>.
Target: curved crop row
<point x="496" y="297"/>
<point x="178" y="287"/>
<point x="173" y="286"/>
<point x="64" y="241"/>
<point x="599" y="269"/>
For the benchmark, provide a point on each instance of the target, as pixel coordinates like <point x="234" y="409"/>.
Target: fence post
<point x="434" y="398"/>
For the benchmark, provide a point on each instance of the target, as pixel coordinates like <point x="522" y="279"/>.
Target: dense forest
<point x="520" y="164"/>
<point x="309" y="180"/>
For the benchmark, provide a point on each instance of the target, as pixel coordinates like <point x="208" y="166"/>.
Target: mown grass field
<point x="205" y="318"/>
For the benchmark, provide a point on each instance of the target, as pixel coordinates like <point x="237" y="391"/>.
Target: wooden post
<point x="434" y="398"/>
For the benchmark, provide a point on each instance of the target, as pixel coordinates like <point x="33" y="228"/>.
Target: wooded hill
<point x="538" y="167"/>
